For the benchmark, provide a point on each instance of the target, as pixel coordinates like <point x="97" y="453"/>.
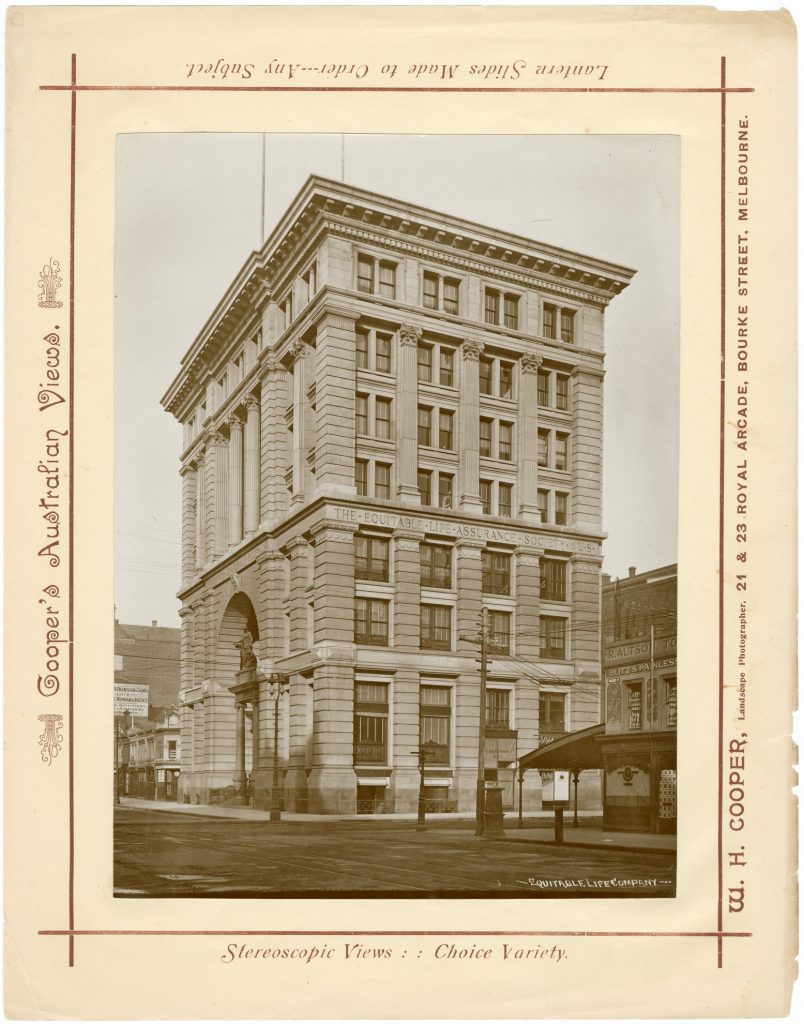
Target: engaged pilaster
<point x="528" y="436"/>
<point x="252" y="466"/>
<point x="469" y="427"/>
<point x="235" y="480"/>
<point x="406" y="404"/>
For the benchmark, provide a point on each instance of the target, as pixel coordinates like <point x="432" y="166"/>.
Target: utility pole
<point x="481" y="732"/>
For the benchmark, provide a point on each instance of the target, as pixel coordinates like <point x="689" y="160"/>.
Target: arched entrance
<point x="235" y="669"/>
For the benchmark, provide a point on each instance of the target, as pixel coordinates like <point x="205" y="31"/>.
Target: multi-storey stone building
<point x="392" y="421"/>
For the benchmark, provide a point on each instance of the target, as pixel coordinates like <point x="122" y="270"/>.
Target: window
<point x="496" y="377"/>
<point x="361" y="414"/>
<point x="552" y="506"/>
<point x="496" y="572"/>
<point x="508" y="302"/>
<point x="504" y="500"/>
<point x="542" y="500"/>
<point x="436" y="627"/>
<point x="424" y="432"/>
<point x="445" y="432"/>
<point x="436" y="355"/>
<point x="553" y="583"/>
<point x="371" y="558"/>
<point x="485" y="436"/>
<point x="445" y="366"/>
<point x="543" y="387"/>
<point x="670" y="702"/>
<point x="445" y="489"/>
<point x="172" y="753"/>
<point x="382" y="480"/>
<point x="365" y="274"/>
<point x="549" y="321"/>
<point x="424" y="358"/>
<point x="372" y="478"/>
<point x="560" y="509"/>
<point x="382" y="417"/>
<point x="486" y="367"/>
<point x="558" y="323"/>
<point x="382" y="362"/>
<point x="567" y="325"/>
<point x="634" y="694"/>
<point x="506" y="378"/>
<point x="562" y="391"/>
<point x="505" y="443"/>
<point x="553" y="637"/>
<point x="560" y="452"/>
<point x="552" y="717"/>
<point x="451" y="287"/>
<point x="440" y="292"/>
<point x="492" y="306"/>
<point x="371" y="723"/>
<point x="388" y="279"/>
<point x="485" y="496"/>
<point x="376" y="276"/>
<point x="373" y="350"/>
<point x="499" y="632"/>
<point x="543" y="447"/>
<point x="435" y="714"/>
<point x="553" y="450"/>
<point x="371" y="622"/>
<point x="430" y="291"/>
<point x="498" y="708"/>
<point x="362" y="349"/>
<point x="425" y="482"/>
<point x="436" y="565"/>
<point x="361" y="476"/>
<point x="511" y="312"/>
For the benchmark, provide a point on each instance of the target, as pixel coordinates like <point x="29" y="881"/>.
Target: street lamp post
<point x="278" y="685"/>
<point x="421" y="820"/>
<point x="480" y="805"/>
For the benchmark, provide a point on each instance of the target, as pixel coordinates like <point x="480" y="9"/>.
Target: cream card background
<point x="625" y="958"/>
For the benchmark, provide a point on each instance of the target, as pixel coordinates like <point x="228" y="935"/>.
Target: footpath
<point x="537" y="827"/>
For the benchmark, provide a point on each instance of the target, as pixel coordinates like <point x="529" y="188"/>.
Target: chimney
<point x="606" y="579"/>
<point x="631" y="572"/>
<point x="153" y="621"/>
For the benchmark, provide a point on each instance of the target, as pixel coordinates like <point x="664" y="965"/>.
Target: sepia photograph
<point x="396" y="514"/>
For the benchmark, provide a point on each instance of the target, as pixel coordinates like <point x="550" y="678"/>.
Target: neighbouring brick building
<point x="392" y="420"/>
<point x="639" y="667"/>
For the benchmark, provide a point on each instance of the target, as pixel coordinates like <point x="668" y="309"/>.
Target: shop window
<point x="371" y="723"/>
<point x="634" y="701"/>
<point x="435" y="714"/>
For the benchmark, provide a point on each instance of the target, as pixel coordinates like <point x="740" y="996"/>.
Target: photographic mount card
<point x="479" y="344"/>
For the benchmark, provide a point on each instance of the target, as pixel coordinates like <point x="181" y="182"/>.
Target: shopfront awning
<point x="574" y="752"/>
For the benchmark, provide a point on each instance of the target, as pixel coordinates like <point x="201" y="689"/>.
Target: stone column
<point x="528" y="595"/>
<point x="274" y="451"/>
<point x="587" y="444"/>
<point x="300" y="440"/>
<point x="188" y="493"/>
<point x="469" y="586"/>
<point x="299" y="551"/>
<point x="255" y="735"/>
<point x="407" y="589"/>
<point x="235" y="480"/>
<point x="469" y="428"/>
<point x="200" y="511"/>
<point x="220" y="502"/>
<point x="252" y="466"/>
<point x="407" y="442"/>
<point x="335" y="403"/>
<point x="240" y="755"/>
<point x="528" y="436"/>
<point x="331" y="784"/>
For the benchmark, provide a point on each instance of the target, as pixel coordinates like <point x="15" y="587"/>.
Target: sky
<point x="188" y="213"/>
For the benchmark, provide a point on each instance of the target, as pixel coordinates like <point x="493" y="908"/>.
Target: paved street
<point x="160" y="853"/>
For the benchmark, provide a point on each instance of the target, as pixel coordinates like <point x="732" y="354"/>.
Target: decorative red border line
<point x="74" y="88"/>
<point x="71" y="521"/>
<point x="178" y="931"/>
<point x="383" y="88"/>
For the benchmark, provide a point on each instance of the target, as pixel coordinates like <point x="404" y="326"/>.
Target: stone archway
<point x="239" y="617"/>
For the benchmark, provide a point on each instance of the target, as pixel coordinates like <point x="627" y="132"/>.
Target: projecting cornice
<point x="324" y="206"/>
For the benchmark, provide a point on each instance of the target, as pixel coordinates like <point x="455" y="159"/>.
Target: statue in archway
<point x="248" y="659"/>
